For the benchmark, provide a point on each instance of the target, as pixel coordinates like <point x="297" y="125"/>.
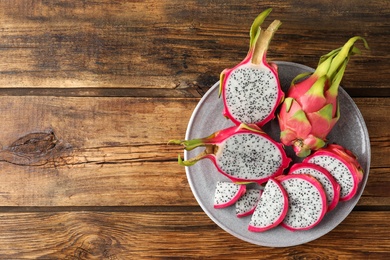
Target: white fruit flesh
<point x="227" y="193"/>
<point x="248" y="156"/>
<point x="251" y="93"/>
<point x="247" y="203"/>
<point x="338" y="170"/>
<point x="307" y="203"/>
<point x="324" y="180"/>
<point x="271" y="208"/>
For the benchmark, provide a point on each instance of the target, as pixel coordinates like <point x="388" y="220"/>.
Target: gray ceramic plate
<point x="350" y="131"/>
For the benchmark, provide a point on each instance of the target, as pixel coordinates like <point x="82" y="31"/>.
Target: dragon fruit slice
<point x="246" y="205"/>
<point x="306" y="199"/>
<point x="227" y="193"/>
<point x="311" y="109"/>
<point x="242" y="153"/>
<point x="271" y="208"/>
<point x="342" y="164"/>
<point x="328" y="182"/>
<point x="251" y="90"/>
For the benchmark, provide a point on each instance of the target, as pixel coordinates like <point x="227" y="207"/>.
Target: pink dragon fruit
<point x="310" y="109"/>
<point x="271" y="209"/>
<point x="246" y="205"/>
<point x="251" y="90"/>
<point x="227" y="193"/>
<point x="342" y="164"/>
<point x="328" y="182"/>
<point x="242" y="153"/>
<point x="306" y="199"/>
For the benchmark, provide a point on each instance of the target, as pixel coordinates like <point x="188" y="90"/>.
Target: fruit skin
<point x="256" y="80"/>
<point x="319" y="172"/>
<point x="214" y="145"/>
<point x="349" y="157"/>
<point x="296" y="200"/>
<point x="310" y="109"/>
<point x="223" y="189"/>
<point x="263" y="207"/>
<point x="250" y="198"/>
<point x="346" y="158"/>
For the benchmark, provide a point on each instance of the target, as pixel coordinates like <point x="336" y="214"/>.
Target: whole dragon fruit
<point x="251" y="90"/>
<point x="242" y="153"/>
<point x="310" y="109"/>
<point x="342" y="164"/>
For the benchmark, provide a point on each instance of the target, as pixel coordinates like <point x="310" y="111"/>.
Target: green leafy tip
<point x="188" y="144"/>
<point x="304" y="152"/>
<point x="338" y="62"/>
<point x="255" y="28"/>
<point x="252" y="128"/>
<point x="185" y="163"/>
<point x="330" y="64"/>
<point x="263" y="41"/>
<point x="288" y="102"/>
<point x="174" y="141"/>
<point x="300" y="76"/>
<point x="221" y="79"/>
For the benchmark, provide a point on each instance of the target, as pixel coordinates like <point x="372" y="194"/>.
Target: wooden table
<point x="91" y="91"/>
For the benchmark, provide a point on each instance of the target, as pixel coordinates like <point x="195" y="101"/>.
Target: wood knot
<point x="95" y="247"/>
<point x="34" y="149"/>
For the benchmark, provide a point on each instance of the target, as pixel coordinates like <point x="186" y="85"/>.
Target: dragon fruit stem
<point x="194" y="143"/>
<point x="255" y="28"/>
<point x="209" y="150"/>
<point x="261" y="45"/>
<point x="254" y="35"/>
<point x="188" y="144"/>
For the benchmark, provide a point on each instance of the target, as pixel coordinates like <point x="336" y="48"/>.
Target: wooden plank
<point x="377" y="119"/>
<point x="97" y="235"/>
<point x="157" y="44"/>
<point x="80" y="151"/>
<point x="92" y="151"/>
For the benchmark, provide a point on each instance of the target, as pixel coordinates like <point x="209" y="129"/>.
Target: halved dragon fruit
<point x="271" y="208"/>
<point x="251" y="90"/>
<point x="342" y="164"/>
<point x="246" y="205"/>
<point x="242" y="153"/>
<point x="306" y="199"/>
<point x="328" y="182"/>
<point x="227" y="193"/>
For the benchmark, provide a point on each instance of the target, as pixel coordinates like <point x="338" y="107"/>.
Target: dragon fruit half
<point x="251" y="90"/>
<point x="342" y="164"/>
<point x="227" y="193"/>
<point x="306" y="199"/>
<point x="328" y="182"/>
<point x="242" y="153"/>
<point x="310" y="109"/>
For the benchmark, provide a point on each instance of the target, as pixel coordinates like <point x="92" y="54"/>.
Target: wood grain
<point x="100" y="235"/>
<point x="92" y="90"/>
<point x="114" y="152"/>
<point x="160" y="44"/>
